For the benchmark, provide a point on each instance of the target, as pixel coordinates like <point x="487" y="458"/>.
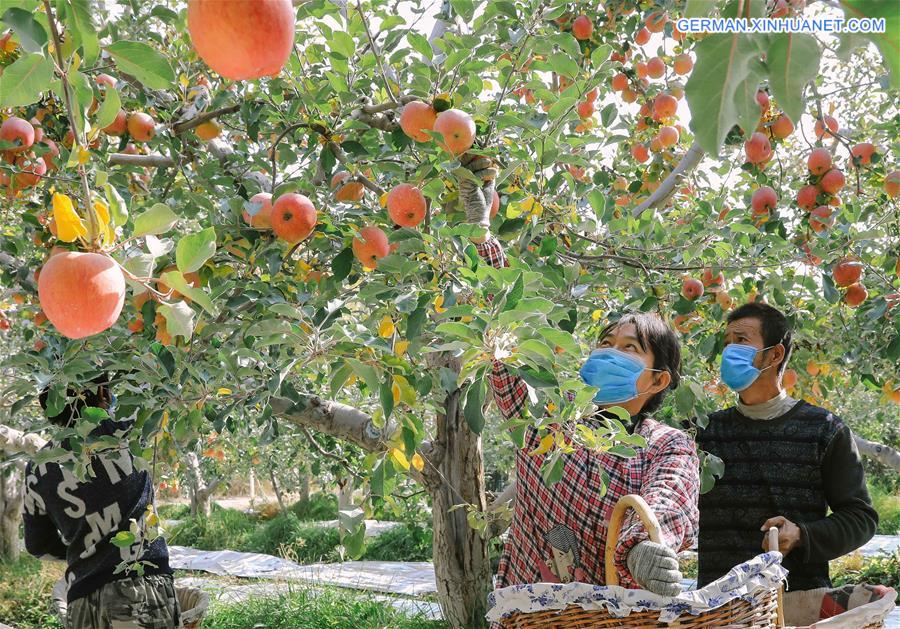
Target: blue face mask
<point x="737" y="368"/>
<point x="614" y="373"/>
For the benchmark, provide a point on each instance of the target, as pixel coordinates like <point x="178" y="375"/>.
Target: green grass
<point x="291" y="535"/>
<point x="411" y="542"/>
<point x="887" y="504"/>
<point x="25" y="587"/>
<point x="319" y="507"/>
<point x="174" y="512"/>
<point x="883" y="570"/>
<point x="326" y="609"/>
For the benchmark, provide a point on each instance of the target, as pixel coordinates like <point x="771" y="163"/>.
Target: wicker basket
<point x="736" y="614"/>
<point x="192" y="603"/>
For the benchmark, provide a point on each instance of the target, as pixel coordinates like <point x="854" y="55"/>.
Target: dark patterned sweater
<point x="75" y="520"/>
<point x="799" y="466"/>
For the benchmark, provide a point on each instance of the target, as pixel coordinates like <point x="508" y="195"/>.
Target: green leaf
<point x="515" y="294"/>
<point x="420" y="44"/>
<point x="564" y="65"/>
<point x="175" y="279"/>
<point x="831" y="293"/>
<point x="342" y="44"/>
<point x="387" y="396"/>
<point x="25" y="80"/>
<point x="793" y="60"/>
<point x="472" y="410"/>
<point x="888" y="42"/>
<point x="552" y="469"/>
<point x="723" y="63"/>
<point x="30" y="33"/>
<point x="194" y="250"/>
<point x="745" y="97"/>
<point x="600" y="54"/>
<point x="80" y="16"/>
<point x="146" y="64"/>
<point x="459" y="330"/>
<point x="109" y="109"/>
<point x="118" y="211"/>
<point x="561" y="339"/>
<point x="179" y="318"/>
<point x="698" y="8"/>
<point x="123" y="539"/>
<point x="157" y="220"/>
<point x="341" y="264"/>
<point x="366" y="372"/>
<point x="464" y="9"/>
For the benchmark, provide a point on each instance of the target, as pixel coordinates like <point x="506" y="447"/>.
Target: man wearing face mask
<point x="559" y="532"/>
<point x="787" y="463"/>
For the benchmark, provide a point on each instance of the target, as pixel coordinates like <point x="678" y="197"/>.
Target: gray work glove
<point x="655" y="568"/>
<point x="477" y="197"/>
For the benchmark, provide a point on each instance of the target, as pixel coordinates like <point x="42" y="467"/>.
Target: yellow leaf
<point x="107" y="233"/>
<point x="439" y="303"/>
<point x="400" y="348"/>
<point x="544" y="446"/>
<point x="403" y="391"/>
<point x="165" y="420"/>
<point x="395" y="391"/>
<point x="399" y="458"/>
<point x="84" y="155"/>
<point x="418" y="462"/>
<point x="224" y="391"/>
<point x="386" y="328"/>
<point x="596" y="315"/>
<point x="382" y="200"/>
<point x="68" y="224"/>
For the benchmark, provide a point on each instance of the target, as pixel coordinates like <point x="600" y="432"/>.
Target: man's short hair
<point x="97" y="396"/>
<point x="773" y="324"/>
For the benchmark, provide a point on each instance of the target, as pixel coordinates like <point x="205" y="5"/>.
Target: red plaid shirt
<point x="563" y="528"/>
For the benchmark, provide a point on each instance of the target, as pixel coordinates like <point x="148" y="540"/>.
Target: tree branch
<point x="13" y="441"/>
<point x="150" y="161"/>
<point x="206" y="116"/>
<point x="688" y="162"/>
<point x="886" y="455"/>
<point x="335" y="419"/>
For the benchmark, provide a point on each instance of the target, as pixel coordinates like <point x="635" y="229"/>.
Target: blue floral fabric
<point x="749" y="581"/>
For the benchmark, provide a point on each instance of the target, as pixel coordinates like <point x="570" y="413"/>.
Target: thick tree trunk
<point x="201" y="492"/>
<point x="345" y="493"/>
<point x="461" y="564"/>
<point x="303" y="486"/>
<point x="12" y="495"/>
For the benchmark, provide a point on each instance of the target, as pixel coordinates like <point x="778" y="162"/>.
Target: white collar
<point x="770" y="409"/>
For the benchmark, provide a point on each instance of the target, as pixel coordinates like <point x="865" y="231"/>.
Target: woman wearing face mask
<point x="558" y="533"/>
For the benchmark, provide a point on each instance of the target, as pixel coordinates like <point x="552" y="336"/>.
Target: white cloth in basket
<point x="748" y="581"/>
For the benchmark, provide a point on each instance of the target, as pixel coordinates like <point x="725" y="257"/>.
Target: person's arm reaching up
<point x="510" y="392"/>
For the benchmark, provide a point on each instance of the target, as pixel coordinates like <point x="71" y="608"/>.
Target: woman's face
<point x="624" y="338"/>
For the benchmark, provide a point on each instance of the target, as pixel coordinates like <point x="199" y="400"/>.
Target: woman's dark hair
<point x="97" y="396"/>
<point x="774" y="325"/>
<point x="656" y="336"/>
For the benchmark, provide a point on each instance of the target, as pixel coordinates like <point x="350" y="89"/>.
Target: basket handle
<point x="772" y="543"/>
<point x="772" y="538"/>
<point x="648" y="519"/>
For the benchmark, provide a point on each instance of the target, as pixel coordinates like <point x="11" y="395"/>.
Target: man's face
<point x="747" y="331"/>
